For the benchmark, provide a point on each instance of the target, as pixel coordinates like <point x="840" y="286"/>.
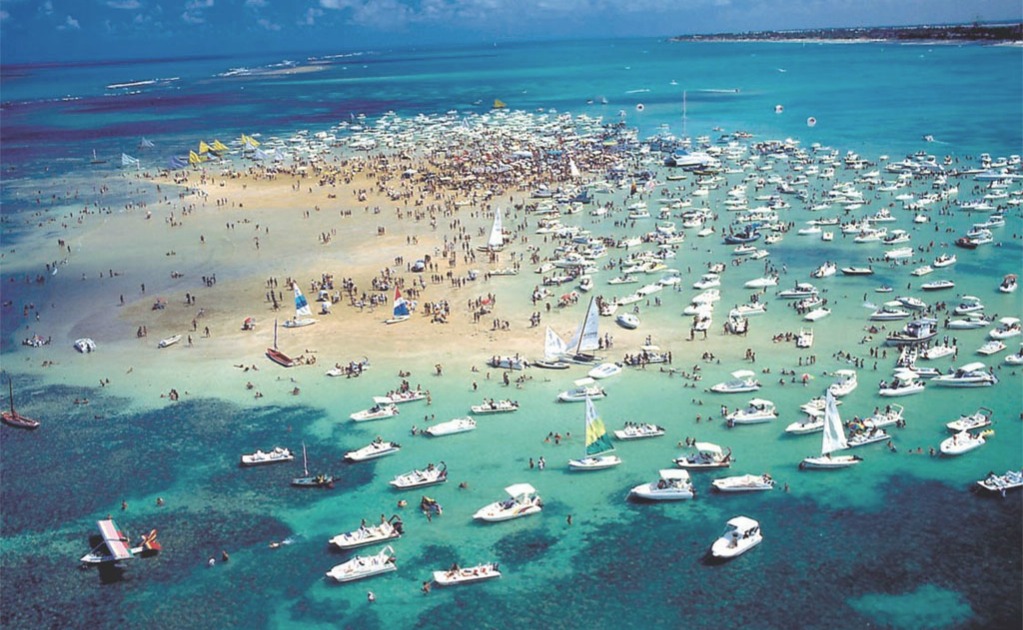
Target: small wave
<point x="639" y="91"/>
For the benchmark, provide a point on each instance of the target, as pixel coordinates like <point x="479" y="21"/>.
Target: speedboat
<point x="744" y="483"/>
<point x="977" y="420"/>
<point x="708" y="281"/>
<point x="1011" y="480"/>
<point x="968" y="304"/>
<point x="762" y="283"/>
<point x="911" y="302"/>
<point x="825" y="270"/>
<point x="845" y="383"/>
<point x="378" y="411"/>
<point x="741" y="535"/>
<point x="937" y="352"/>
<point x="915" y="332"/>
<point x="747" y="310"/>
<point x="495" y="406"/>
<point x="672" y="485"/>
<point x="937" y="285"/>
<point x="963" y="442"/>
<point x="636" y="431"/>
<point x="991" y="347"/>
<point x="627" y="320"/>
<point x="397" y="398"/>
<point x="944" y="260"/>
<point x="361" y="567"/>
<point x="968" y="323"/>
<point x="466" y="575"/>
<point x="742" y="381"/>
<point x="922" y="271"/>
<point x="805" y="338"/>
<point x="817" y="313"/>
<point x="889" y="311"/>
<point x="457" y="425"/>
<point x="892" y="414"/>
<point x="811" y="424"/>
<point x="899" y="253"/>
<point x="584" y="388"/>
<point x="1007" y="327"/>
<point x="969" y="375"/>
<point x="605" y="370"/>
<point x="800" y="291"/>
<point x="369" y="535"/>
<point x="277" y="455"/>
<point x="85" y="345"/>
<point x="757" y="411"/>
<point x="522" y="501"/>
<point x="508" y="363"/>
<point x="169" y="341"/>
<point x="376" y="448"/>
<point x="905" y="383"/>
<point x="704" y="456"/>
<point x="1008" y="284"/>
<point x="868" y="436"/>
<point x="858" y="271"/>
<point x="431" y="475"/>
<point x="1016" y="358"/>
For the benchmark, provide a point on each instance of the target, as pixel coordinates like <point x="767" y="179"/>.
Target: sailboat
<point x="495" y="242"/>
<point x="401" y="309"/>
<point x="311" y="481"/>
<point x="553" y="350"/>
<point x="277" y="356"/>
<point x="586" y="337"/>
<point x="15" y="419"/>
<point x="833" y="440"/>
<point x="597" y="444"/>
<point x="302" y="311"/>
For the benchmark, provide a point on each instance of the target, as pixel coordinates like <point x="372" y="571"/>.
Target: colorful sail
<point x="194" y="158"/>
<point x="301" y="305"/>
<point x="400" y="305"/>
<point x="203" y="147"/>
<point x="499" y="104"/>
<point x="218" y="146"/>
<point x="597" y="440"/>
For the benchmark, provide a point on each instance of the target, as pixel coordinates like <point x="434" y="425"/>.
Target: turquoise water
<point x="884" y="544"/>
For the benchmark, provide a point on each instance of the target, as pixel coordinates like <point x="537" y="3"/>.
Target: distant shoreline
<point x="963" y="33"/>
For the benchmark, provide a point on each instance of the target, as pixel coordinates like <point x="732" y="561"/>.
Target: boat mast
<point x="275" y="333"/>
<point x="582" y="331"/>
<point x="10" y="383"/>
<point x="684" y="132"/>
<point x="305" y="462"/>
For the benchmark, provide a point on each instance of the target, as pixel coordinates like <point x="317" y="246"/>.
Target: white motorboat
<point x="744" y="483"/>
<point x="376" y="412"/>
<point x="915" y="332"/>
<point x="85" y="345"/>
<point x="169" y="341"/>
<point x="833" y="439"/>
<point x="627" y="320"/>
<point x="495" y="406"/>
<point x="899" y="253"/>
<point x="605" y="370"/>
<point x="636" y="431"/>
<point x="826" y="270"/>
<point x="976" y="420"/>
<point x="945" y="260"/>
<point x="369" y="535"/>
<point x="805" y="338"/>
<point x="971" y="322"/>
<point x="905" y="383"/>
<point x="889" y="311"/>
<point x="868" y="436"/>
<point x="361" y="567"/>
<point x="969" y="375"/>
<point x="672" y="485"/>
<point x="466" y="575"/>
<point x="845" y="383"/>
<point x="963" y="442"/>
<point x="596" y="451"/>
<point x="450" y="427"/>
<point x="275" y="456"/>
<point x="800" y="291"/>
<point x="748" y="310"/>
<point x="742" y="381"/>
<point x="891" y="414"/>
<point x="817" y="313"/>
<point x="429" y="476"/>
<point x="937" y="352"/>
<point x="522" y="501"/>
<point x="762" y="283"/>
<point x="1016" y="358"/>
<point x="1011" y="480"/>
<point x="704" y="456"/>
<point x="858" y="271"/>
<point x="623" y="279"/>
<point x="400" y="397"/>
<point x="741" y="534"/>
<point x="757" y="411"/>
<point x="968" y="304"/>
<point x="910" y="302"/>
<point x="1007" y="327"/>
<point x="708" y="281"/>
<point x="508" y="363"/>
<point x="810" y="424"/>
<point x="922" y="271"/>
<point x="991" y="346"/>
<point x="373" y="450"/>
<point x="584" y="388"/>
<point x="708" y="296"/>
<point x="1008" y="284"/>
<point x="938" y="285"/>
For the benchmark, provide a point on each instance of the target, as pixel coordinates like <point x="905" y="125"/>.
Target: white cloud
<point x="124" y="4"/>
<point x="198" y="4"/>
<point x="69" y="24"/>
<point x="4" y="15"/>
<point x="268" y="25"/>
<point x="193" y="18"/>
<point x="255" y="3"/>
<point x="309" y="19"/>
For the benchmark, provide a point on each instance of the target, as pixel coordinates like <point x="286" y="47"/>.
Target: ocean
<point x="900" y="541"/>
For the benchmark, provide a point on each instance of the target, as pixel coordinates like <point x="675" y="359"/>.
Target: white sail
<point x="301" y="306"/>
<point x="496" y="240"/>
<point x="834" y="432"/>
<point x="573" y="169"/>
<point x="553" y="346"/>
<point x="587" y="337"/>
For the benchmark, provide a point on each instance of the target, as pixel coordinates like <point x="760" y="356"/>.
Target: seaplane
<point x="111" y="546"/>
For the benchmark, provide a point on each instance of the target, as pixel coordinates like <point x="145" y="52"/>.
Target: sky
<point x="62" y="30"/>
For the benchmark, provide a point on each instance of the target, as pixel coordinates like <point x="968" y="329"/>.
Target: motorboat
<point x="1016" y="358"/>
<point x="508" y="363"/>
<point x="937" y="352"/>
<point x="605" y="370"/>
<point x="361" y="567"/>
<point x="889" y="311"/>
<point x="742" y="381"/>
<point x="1007" y="327"/>
<point x="891" y="414"/>
<point x="817" y="313"/>
<point x="466" y="575"/>
<point x="991" y="346"/>
<point x="845" y="383"/>
<point x="748" y="310"/>
<point x="637" y="431"/>
<point x="709" y="296"/>
<point x="276" y="455"/>
<point x="744" y="483"/>
<point x="584" y="388"/>
<point x="373" y="450"/>
<point x="450" y="427"/>
<point x="970" y="322"/>
<point x="627" y="320"/>
<point x="858" y="271"/>
<point x="824" y="271"/>
<point x="905" y="383"/>
<point x="400" y="397"/>
<point x="916" y="332"/>
<point x="672" y="485"/>
<point x="623" y="279"/>
<point x="944" y="260"/>
<point x="798" y="292"/>
<point x="968" y="304"/>
<point x="922" y="271"/>
<point x="85" y="345"/>
<point x="741" y="534"/>
<point x="805" y="338"/>
<point x="899" y="253"/>
<point x="757" y="411"/>
<point x="910" y="302"/>
<point x="969" y="375"/>
<point x="938" y="285"/>
<point x="1011" y="480"/>
<point x="169" y="341"/>
<point x="429" y="476"/>
<point x="968" y="422"/>
<point x="495" y="406"/>
<point x="705" y="456"/>
<point x="708" y="281"/>
<point x="833" y="439"/>
<point x="598" y="446"/>
<point x="378" y="411"/>
<point x="810" y="424"/>
<point x="761" y="283"/>
<point x="369" y="535"/>
<point x="522" y="501"/>
<point x="868" y="436"/>
<point x="1008" y="284"/>
<point x="963" y="442"/>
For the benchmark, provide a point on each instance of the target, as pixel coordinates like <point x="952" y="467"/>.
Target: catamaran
<point x="302" y="311"/>
<point x="400" y="311"/>
<point x="587" y="336"/>
<point x="833" y="440"/>
<point x="598" y="443"/>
